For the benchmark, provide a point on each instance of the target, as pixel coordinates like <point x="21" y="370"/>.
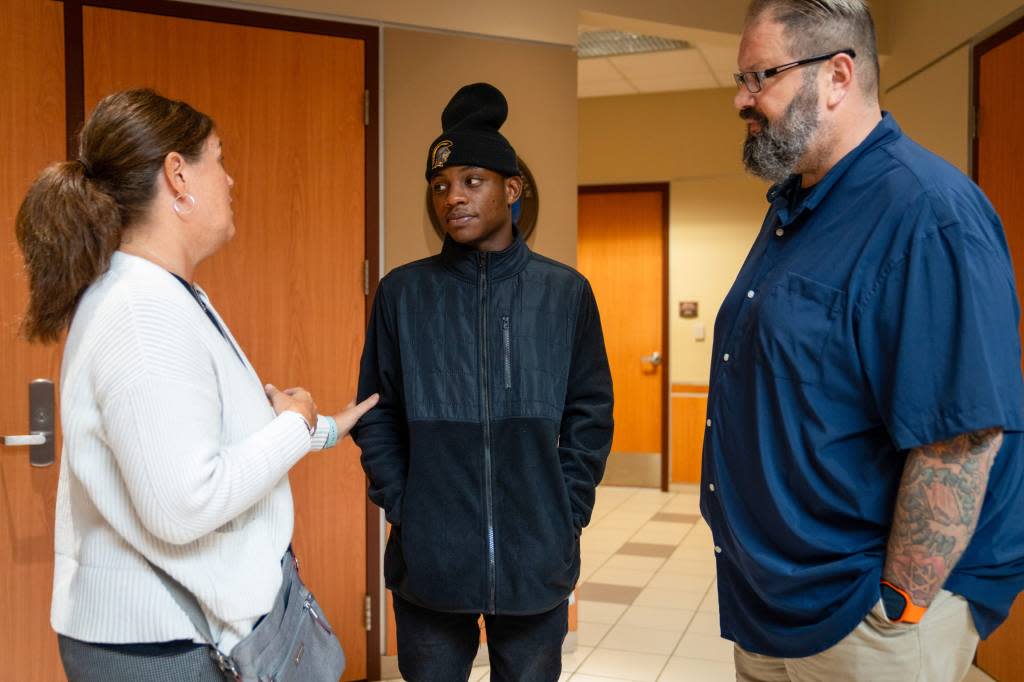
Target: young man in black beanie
<point x="494" y="421"/>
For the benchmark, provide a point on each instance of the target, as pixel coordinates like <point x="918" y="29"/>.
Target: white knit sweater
<point x="173" y="453"/>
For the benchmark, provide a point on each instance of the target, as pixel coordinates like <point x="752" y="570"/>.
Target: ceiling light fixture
<point x="607" y="43"/>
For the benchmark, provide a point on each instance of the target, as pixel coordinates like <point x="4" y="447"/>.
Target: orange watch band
<point x="912" y="613"/>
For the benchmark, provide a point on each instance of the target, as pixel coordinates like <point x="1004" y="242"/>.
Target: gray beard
<point x="774" y="152"/>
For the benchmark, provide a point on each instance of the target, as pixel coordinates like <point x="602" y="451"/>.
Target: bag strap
<point x="190" y="605"/>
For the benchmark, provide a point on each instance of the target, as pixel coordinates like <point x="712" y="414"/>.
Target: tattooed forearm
<point x="937" y="509"/>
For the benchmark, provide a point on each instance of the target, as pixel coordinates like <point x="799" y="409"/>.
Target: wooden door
<point x="33" y="135"/>
<point x="1000" y="149"/>
<point x="289" y="109"/>
<point x="622" y="238"/>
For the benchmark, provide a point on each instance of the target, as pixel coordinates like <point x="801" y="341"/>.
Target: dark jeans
<point x="440" y="647"/>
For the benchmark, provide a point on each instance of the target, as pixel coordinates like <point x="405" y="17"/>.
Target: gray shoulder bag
<point x="292" y="643"/>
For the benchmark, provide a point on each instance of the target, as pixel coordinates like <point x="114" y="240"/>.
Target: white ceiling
<point x="699" y="67"/>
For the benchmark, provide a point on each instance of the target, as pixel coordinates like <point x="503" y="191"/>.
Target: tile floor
<point x="648" y="606"/>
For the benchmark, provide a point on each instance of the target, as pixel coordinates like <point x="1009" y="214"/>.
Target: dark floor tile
<point x="676" y="518"/>
<point x="647" y="549"/>
<point x="616" y="594"/>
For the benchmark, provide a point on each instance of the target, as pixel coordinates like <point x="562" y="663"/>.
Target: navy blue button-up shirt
<point x="875" y="313"/>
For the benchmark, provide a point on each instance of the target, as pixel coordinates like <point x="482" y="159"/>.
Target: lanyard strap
<point x="209" y="314"/>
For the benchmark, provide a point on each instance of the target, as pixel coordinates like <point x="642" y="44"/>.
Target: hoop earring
<point x="184" y="204"/>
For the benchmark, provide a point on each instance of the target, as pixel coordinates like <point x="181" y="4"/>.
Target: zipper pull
<point x="308" y="605"/>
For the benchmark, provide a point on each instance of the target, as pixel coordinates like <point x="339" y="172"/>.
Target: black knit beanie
<point x="470" y="123"/>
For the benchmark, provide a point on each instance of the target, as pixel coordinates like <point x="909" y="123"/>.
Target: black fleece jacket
<point x="492" y="430"/>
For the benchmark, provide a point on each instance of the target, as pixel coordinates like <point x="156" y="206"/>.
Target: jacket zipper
<point x="506" y="337"/>
<point x="485" y="397"/>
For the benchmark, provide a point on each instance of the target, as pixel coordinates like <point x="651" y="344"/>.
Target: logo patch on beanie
<point x="439" y="157"/>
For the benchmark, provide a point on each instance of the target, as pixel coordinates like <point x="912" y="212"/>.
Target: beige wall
<point x="926" y="82"/>
<point x="693" y="140"/>
<point x="422" y="70"/>
<point x="713" y="222"/>
<point x="659" y="137"/>
<point x="933" y="107"/>
<point x="921" y="31"/>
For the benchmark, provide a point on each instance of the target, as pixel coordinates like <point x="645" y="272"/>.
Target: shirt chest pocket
<point x="792" y="326"/>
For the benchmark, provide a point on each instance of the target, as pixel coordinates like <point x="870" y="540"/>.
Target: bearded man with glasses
<point x="863" y="459"/>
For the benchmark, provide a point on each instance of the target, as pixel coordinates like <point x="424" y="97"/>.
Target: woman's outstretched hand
<point x="348" y="417"/>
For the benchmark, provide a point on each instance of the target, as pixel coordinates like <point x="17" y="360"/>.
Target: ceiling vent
<point x="604" y="43"/>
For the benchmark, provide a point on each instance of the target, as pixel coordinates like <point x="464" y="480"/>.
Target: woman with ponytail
<point x="175" y="457"/>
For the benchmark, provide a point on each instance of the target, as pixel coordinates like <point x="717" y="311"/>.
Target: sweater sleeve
<point x="382" y="433"/>
<point x="586" y="431"/>
<point x="162" y="419"/>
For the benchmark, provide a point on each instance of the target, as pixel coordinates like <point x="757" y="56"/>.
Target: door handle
<point x="654" y="358"/>
<point x="40" y="424"/>
<point x="34" y="439"/>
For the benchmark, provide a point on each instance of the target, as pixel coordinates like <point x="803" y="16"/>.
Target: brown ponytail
<point x="72" y="219"/>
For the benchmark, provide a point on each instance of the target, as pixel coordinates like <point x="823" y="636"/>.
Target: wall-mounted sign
<point x="688" y="309"/>
<point x="524" y="211"/>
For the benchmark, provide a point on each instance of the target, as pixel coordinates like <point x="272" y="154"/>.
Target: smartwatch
<point x="898" y="606"/>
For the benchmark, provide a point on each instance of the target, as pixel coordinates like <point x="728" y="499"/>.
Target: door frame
<point x="978" y="50"/>
<point x="663" y="189"/>
<point x="370" y="35"/>
<point x="1008" y="32"/>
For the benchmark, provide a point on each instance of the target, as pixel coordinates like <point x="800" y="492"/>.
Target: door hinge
<point x="366" y="107"/>
<point x="366" y="278"/>
<point x="368" y="613"/>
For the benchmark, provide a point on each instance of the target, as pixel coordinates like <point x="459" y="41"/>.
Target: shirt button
<point x="718" y="550"/>
<point x="750" y="294"/>
<point x="725" y="358"/>
<point x="779" y="232"/>
<point x="709" y="423"/>
<point x="711" y="487"/>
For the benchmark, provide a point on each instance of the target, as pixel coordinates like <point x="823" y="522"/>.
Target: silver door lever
<point x="34" y="439"/>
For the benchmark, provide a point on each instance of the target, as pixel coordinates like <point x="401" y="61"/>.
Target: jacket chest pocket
<point x="506" y="351"/>
<point x="792" y="326"/>
<point x="528" y="363"/>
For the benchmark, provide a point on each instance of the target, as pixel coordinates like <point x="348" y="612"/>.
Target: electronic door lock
<point x="40" y="423"/>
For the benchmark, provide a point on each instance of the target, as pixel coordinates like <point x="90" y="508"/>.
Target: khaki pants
<point x="938" y="649"/>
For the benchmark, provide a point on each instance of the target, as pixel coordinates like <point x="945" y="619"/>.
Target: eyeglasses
<point x="753" y="81"/>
